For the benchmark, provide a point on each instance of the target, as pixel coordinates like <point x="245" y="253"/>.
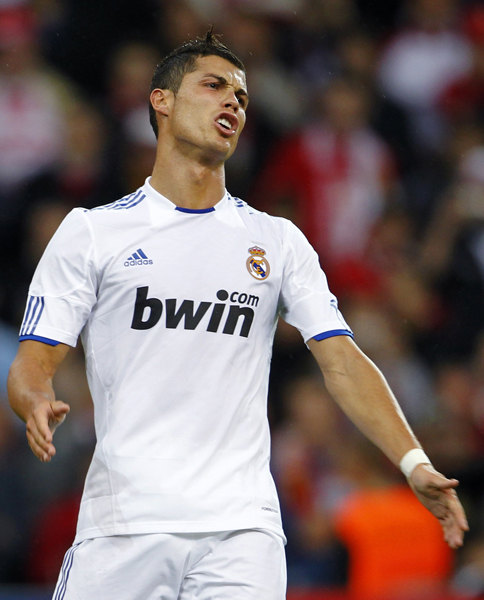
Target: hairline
<point x="195" y="68"/>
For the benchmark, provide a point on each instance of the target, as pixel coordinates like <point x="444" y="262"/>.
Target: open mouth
<point x="225" y="123"/>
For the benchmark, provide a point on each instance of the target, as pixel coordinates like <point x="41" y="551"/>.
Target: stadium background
<point x="366" y="128"/>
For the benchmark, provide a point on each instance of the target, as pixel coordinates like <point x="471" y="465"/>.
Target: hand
<point x="41" y="425"/>
<point x="437" y="494"/>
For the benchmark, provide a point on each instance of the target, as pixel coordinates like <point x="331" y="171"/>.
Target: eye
<point x="214" y="85"/>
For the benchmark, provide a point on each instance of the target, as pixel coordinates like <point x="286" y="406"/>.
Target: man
<point x="176" y="290"/>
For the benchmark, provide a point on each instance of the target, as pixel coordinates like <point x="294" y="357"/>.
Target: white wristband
<point x="411" y="459"/>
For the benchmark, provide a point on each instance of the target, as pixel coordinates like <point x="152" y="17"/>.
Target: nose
<point x="231" y="101"/>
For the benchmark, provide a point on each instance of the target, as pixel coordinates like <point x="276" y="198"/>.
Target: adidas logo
<point x="138" y="258"/>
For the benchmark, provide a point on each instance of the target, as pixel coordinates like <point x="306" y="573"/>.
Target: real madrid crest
<point x="257" y="265"/>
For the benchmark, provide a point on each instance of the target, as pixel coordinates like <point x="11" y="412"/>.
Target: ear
<point x="162" y="101"/>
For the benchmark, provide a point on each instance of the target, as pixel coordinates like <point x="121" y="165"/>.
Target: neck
<point x="188" y="183"/>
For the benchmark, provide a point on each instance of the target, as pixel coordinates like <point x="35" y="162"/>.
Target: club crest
<point x="257" y="265"/>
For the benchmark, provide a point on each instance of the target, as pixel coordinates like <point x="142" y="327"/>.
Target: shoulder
<point x="279" y="232"/>
<point x="262" y="219"/>
<point x="242" y="205"/>
<point x="122" y="204"/>
<point x="122" y="212"/>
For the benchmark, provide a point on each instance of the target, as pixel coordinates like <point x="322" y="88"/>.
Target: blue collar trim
<point x="196" y="211"/>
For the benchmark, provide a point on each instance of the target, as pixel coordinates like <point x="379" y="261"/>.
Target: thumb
<point x="60" y="408"/>
<point x="427" y="475"/>
<point x="59" y="411"/>
<point x="445" y="484"/>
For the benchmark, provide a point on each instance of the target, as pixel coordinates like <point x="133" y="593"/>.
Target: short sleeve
<point x="305" y="301"/>
<point x="63" y="289"/>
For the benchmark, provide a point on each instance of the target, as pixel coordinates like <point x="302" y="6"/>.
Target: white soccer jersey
<point x="177" y="310"/>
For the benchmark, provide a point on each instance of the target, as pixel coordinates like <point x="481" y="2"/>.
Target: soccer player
<point x="175" y="291"/>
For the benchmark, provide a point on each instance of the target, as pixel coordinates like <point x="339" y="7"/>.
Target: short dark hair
<point x="170" y="71"/>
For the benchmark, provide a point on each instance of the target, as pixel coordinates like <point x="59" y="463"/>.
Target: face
<point x="207" y="115"/>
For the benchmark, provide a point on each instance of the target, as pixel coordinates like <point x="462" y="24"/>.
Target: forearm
<point x="31" y="394"/>
<point x="360" y="389"/>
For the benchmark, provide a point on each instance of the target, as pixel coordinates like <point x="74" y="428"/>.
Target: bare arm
<point x="362" y="392"/>
<point x="31" y="394"/>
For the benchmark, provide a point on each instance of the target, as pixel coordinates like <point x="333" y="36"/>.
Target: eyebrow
<point x="223" y="81"/>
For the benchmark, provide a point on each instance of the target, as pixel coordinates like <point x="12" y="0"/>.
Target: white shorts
<point x="236" y="565"/>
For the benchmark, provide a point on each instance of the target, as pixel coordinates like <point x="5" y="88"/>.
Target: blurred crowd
<point x="366" y="128"/>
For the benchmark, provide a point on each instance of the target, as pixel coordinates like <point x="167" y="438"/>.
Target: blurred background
<point x="366" y="128"/>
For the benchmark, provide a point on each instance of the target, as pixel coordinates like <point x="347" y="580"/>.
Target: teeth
<point x="225" y="123"/>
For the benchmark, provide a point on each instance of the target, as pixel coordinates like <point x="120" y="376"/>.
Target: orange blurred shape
<point x="396" y="547"/>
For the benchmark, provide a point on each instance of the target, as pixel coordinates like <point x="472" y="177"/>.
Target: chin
<point x="221" y="151"/>
<point x="230" y="148"/>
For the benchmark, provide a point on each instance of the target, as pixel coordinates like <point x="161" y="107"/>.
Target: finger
<point x="38" y="450"/>
<point x="454" y="522"/>
<point x="46" y="449"/>
<point x="457" y="511"/>
<point x="453" y="536"/>
<point x="448" y="507"/>
<point x="38" y="434"/>
<point x="40" y="425"/>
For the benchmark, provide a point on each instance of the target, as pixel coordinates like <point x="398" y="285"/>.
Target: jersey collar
<point x="162" y="204"/>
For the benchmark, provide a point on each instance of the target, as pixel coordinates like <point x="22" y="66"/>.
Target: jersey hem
<point x="176" y="527"/>
<point x="39" y="338"/>
<point x="327" y="329"/>
<point x="333" y="333"/>
<point x="49" y="333"/>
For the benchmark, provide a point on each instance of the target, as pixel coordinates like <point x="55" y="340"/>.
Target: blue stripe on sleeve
<point x="35" y="308"/>
<point x="39" y="314"/>
<point x="27" y="314"/>
<point x="38" y="338"/>
<point x="333" y="333"/>
<point x="33" y="313"/>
